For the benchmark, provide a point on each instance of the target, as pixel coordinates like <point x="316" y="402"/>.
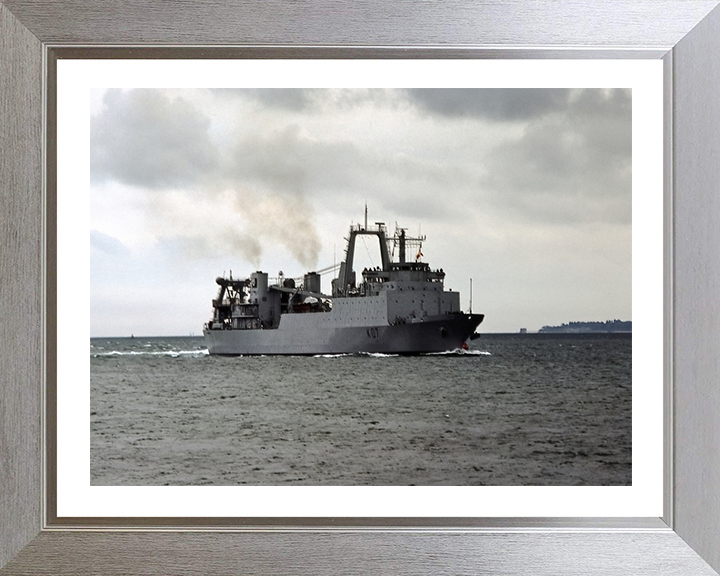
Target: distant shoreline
<point x="608" y="326"/>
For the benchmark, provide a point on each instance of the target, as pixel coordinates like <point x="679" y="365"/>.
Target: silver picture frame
<point x="684" y="34"/>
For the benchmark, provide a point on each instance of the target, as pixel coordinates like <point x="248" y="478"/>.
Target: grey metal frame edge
<point x="684" y="33"/>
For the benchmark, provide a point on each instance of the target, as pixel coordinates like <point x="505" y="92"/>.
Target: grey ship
<point x="398" y="308"/>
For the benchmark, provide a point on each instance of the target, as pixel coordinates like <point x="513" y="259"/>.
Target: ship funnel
<point x="312" y="282"/>
<point x="258" y="285"/>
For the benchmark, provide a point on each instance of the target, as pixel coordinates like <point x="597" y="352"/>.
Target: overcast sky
<point x="526" y="191"/>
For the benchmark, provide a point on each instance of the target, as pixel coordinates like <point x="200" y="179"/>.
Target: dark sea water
<point x="516" y="409"/>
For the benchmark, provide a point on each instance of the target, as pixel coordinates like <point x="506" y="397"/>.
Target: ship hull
<point x="309" y="337"/>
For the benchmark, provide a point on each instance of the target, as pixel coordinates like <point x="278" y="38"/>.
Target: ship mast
<point x="470" y="295"/>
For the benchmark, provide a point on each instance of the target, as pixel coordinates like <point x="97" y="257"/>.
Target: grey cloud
<point x="571" y="164"/>
<point x="496" y="104"/>
<point x="279" y="159"/>
<point x="346" y="99"/>
<point x="144" y="138"/>
<point x="293" y="166"/>
<point x="292" y="99"/>
<point x="295" y="100"/>
<point x="311" y="100"/>
<point x="572" y="167"/>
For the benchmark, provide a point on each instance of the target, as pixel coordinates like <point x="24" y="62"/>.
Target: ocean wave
<point x="172" y="353"/>
<point x="460" y="352"/>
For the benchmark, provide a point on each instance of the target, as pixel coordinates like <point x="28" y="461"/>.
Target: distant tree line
<point x="607" y="326"/>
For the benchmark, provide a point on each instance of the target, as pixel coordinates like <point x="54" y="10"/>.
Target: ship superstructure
<point x="398" y="307"/>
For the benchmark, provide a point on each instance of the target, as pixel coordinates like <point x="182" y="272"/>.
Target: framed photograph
<point x="385" y="359"/>
<point x="658" y="517"/>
